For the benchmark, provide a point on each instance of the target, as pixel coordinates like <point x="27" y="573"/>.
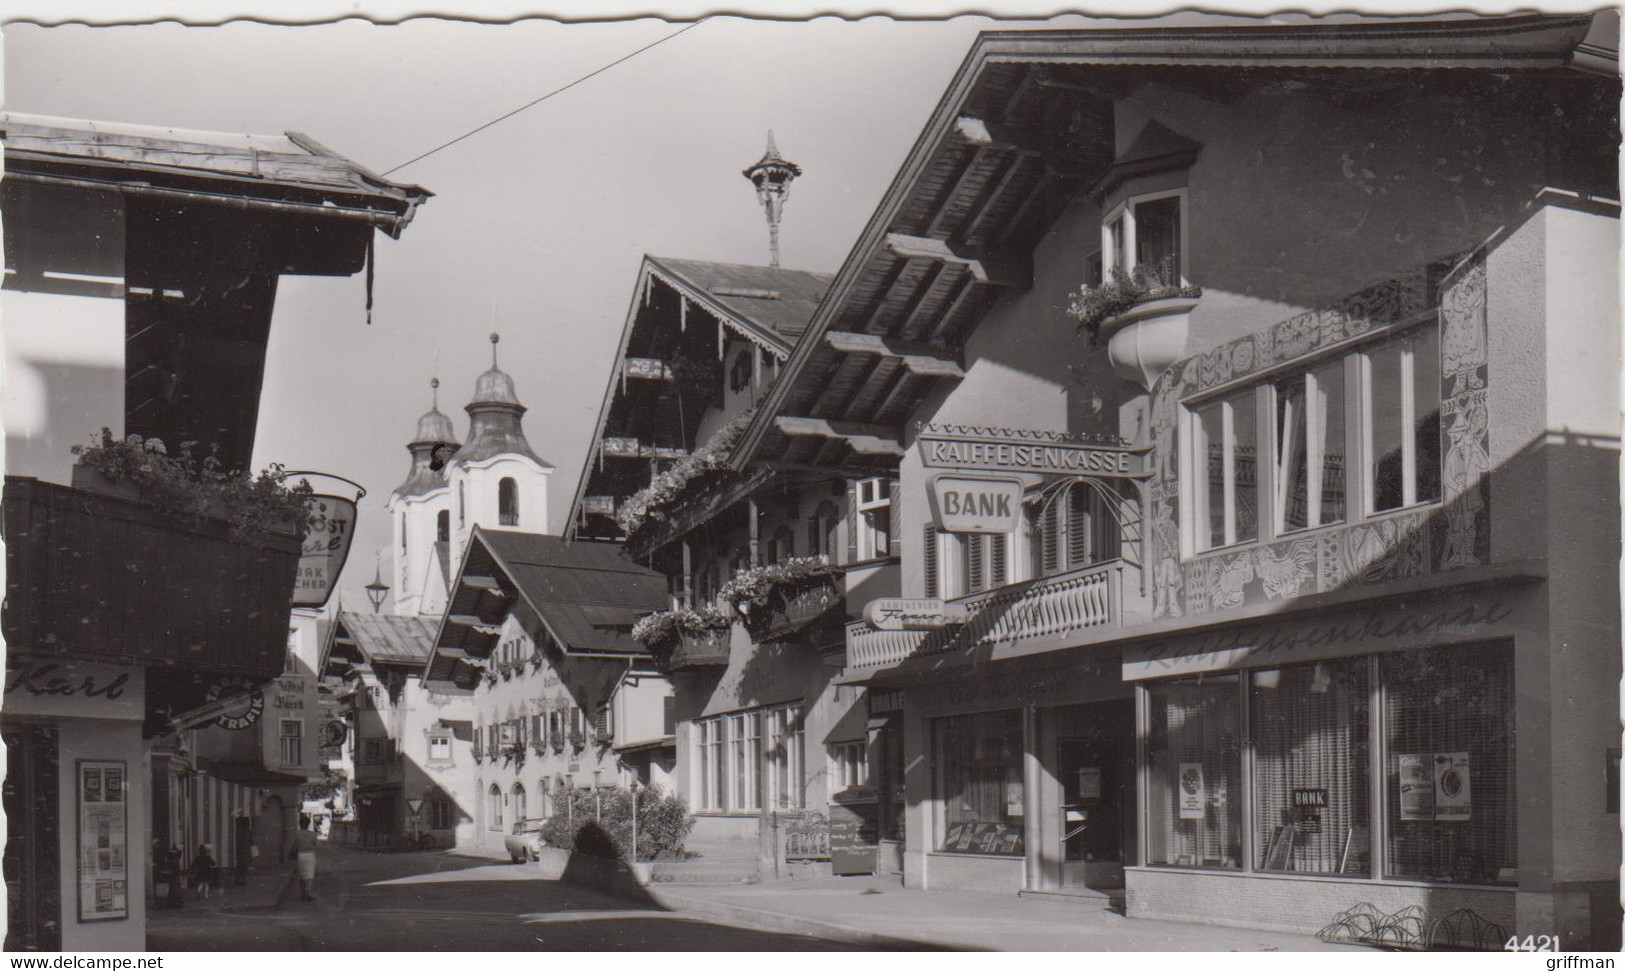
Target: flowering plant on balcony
<point x="661" y="628"/>
<point x="1146" y="282"/>
<point x="653" y="502"/>
<point x="194" y="489"/>
<point x="756" y="586"/>
<point x="578" y="741"/>
<point x="513" y="752"/>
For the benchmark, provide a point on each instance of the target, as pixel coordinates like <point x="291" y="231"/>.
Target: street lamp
<point x="377" y="590"/>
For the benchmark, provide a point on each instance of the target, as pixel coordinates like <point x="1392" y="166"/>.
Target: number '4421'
<point x="1541" y="942"/>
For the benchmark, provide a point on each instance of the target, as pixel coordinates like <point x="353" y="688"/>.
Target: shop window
<point x="293" y="741"/>
<point x="1310" y="449"/>
<point x="508" y="502"/>
<point x="980" y="792"/>
<point x="440" y="748"/>
<point x="493" y="801"/>
<point x="519" y="802"/>
<point x="442" y="526"/>
<point x="1448" y="740"/>
<point x="1193" y="755"/>
<point x="1224" y="436"/>
<point x="1400" y="401"/>
<point x="848" y="765"/>
<point x="1311" y="732"/>
<point x="1146" y="232"/>
<point x="744" y="758"/>
<point x="874" y="518"/>
<point x="783" y="757"/>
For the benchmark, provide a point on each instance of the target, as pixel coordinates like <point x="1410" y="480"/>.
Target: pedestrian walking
<point x="304" y="853"/>
<point x="203" y="871"/>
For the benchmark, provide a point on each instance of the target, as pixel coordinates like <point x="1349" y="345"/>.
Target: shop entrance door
<point x="888" y="749"/>
<point x="33" y="880"/>
<point x="1095" y="767"/>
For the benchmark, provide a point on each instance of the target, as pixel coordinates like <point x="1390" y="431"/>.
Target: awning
<point x="247" y="775"/>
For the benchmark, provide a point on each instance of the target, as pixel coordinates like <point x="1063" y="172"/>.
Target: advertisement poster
<point x="1192" y="791"/>
<point x="1089" y="782"/>
<point x="103" y="850"/>
<point x="1415" y="788"/>
<point x="1453" y="787"/>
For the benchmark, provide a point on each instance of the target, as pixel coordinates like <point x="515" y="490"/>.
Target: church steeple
<point x="432" y="447"/>
<point x="495" y="417"/>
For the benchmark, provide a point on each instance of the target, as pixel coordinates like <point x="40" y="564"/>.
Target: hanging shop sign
<point x="975" y="504"/>
<point x="1034" y="452"/>
<point x="913" y="613"/>
<point x="233" y="702"/>
<point x="73" y="689"/>
<point x="326" y="547"/>
<point x="104" y="858"/>
<point x="1452" y="787"/>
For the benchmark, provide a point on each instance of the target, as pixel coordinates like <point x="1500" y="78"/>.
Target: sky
<point x="538" y="223"/>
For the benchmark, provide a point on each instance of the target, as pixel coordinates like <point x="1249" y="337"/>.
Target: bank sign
<point x="976" y="504"/>
<point x="1025" y="455"/>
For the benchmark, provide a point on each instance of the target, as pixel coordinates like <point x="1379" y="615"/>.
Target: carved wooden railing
<point x="1087" y="597"/>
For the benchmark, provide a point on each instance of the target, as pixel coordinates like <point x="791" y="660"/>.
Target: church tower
<point x="496" y="480"/>
<point x="420" y="511"/>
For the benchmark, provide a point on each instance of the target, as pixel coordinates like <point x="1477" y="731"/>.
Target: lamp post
<point x="377" y="590"/>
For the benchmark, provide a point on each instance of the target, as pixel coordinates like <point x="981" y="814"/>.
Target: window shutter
<point x="975" y="546"/>
<point x="536" y="730"/>
<point x="1080" y="526"/>
<point x="851" y="522"/>
<point x="1049" y="540"/>
<point x="895" y="520"/>
<point x="479" y="744"/>
<point x="668" y="715"/>
<point x="999" y="565"/>
<point x="928" y="558"/>
<point x="601" y="729"/>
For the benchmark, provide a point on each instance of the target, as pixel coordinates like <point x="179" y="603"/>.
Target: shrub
<point x="663" y="824"/>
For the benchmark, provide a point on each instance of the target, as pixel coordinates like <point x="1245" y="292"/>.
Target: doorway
<point x="1094" y="766"/>
<point x="33" y="880"/>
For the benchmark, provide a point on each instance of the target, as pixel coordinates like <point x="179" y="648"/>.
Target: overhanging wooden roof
<point x="582" y="596"/>
<point x="1025" y="126"/>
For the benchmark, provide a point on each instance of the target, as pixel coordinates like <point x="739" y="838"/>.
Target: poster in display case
<point x="103" y="858"/>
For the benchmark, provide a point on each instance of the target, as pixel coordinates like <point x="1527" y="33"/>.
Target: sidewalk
<point x="233" y="918"/>
<point x="881" y="913"/>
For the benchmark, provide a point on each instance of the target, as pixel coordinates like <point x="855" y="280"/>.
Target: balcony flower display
<point x="660" y="630"/>
<point x="653" y="502"/>
<point x="192" y="489"/>
<point x="1143" y="318"/>
<point x="754" y="588"/>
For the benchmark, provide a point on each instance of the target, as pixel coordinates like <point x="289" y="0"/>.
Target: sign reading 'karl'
<point x="975" y="504"/>
<point x="1020" y="455"/>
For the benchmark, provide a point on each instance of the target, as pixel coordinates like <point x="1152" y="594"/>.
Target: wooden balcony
<point x="108" y="578"/>
<point x="791" y="612"/>
<point x="1056" y="607"/>
<point x="700" y="650"/>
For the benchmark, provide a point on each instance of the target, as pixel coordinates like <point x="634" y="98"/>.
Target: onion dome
<point x="494" y="418"/>
<point x="432" y="447"/>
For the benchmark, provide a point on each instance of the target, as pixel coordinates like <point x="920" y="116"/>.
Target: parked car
<point x="525" y="842"/>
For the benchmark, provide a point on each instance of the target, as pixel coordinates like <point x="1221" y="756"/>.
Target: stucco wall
<point x="83" y="738"/>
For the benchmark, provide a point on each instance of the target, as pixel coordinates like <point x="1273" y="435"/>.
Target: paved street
<point x="436" y="902"/>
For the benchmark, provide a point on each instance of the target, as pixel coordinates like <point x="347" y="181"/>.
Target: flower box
<point x="701" y="649"/>
<point x="794" y="608"/>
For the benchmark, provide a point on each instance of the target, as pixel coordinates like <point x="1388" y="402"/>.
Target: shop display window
<point x="1311" y="732"/>
<point x="1449" y="759"/>
<point x="1193" y="755"/>
<point x="980" y="789"/>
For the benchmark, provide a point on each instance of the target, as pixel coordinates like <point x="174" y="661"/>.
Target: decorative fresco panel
<point x="1391" y="548"/>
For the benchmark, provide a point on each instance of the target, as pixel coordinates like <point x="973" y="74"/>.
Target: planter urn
<point x="1144" y="340"/>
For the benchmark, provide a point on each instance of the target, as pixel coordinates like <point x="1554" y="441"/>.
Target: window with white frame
<point x="293" y="741"/>
<point x="1224" y="493"/>
<point x="1311" y="449"/>
<point x="1400" y="405"/>
<point x="744" y="758"/>
<point x="1146" y="232"/>
<point x="848" y="765"/>
<point x="784" y="757"/>
<point x="1363" y="424"/>
<point x="874" y="518"/>
<point x="440" y="748"/>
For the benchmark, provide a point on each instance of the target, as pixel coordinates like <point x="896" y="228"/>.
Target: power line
<point x="532" y="104"/>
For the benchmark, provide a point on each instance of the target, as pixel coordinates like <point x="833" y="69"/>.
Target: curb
<point x="791" y="924"/>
